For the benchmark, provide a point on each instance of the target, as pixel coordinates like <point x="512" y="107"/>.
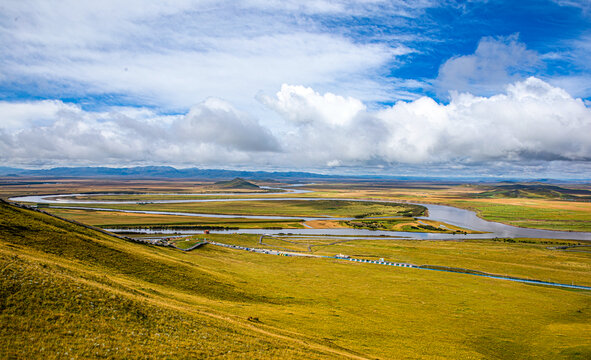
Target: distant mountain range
<point x="169" y="172"/>
<point x="158" y="172"/>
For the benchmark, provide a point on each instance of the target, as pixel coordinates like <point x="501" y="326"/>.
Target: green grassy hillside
<point x="236" y="183"/>
<point x="70" y="292"/>
<point x="67" y="291"/>
<point x="535" y="192"/>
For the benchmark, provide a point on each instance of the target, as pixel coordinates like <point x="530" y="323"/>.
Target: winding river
<point x="447" y="214"/>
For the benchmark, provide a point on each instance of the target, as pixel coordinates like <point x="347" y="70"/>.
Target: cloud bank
<point x="52" y="132"/>
<point x="531" y="121"/>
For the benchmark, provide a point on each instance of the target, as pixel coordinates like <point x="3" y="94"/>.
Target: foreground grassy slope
<point x="68" y="289"/>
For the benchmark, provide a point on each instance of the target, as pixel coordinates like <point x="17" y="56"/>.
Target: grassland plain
<point x="335" y="208"/>
<point x="527" y="258"/>
<point x="117" y="219"/>
<point x="70" y="289"/>
<point x="40" y="186"/>
<point x="534" y="213"/>
<point x="541" y="213"/>
<point x="107" y="219"/>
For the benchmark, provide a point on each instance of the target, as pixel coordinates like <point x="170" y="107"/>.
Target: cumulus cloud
<point x="209" y="133"/>
<point x="495" y="63"/>
<point x="304" y="105"/>
<point x="216" y="121"/>
<point x="325" y="129"/>
<point x="530" y="121"/>
<point x="18" y="115"/>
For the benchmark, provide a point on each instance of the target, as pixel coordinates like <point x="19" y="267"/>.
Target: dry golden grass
<point x="65" y="288"/>
<point x="325" y="224"/>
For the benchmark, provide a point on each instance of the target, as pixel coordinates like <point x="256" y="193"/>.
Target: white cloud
<point x="26" y="114"/>
<point x="495" y="63"/>
<point x="209" y="133"/>
<point x="574" y="55"/>
<point x="532" y="120"/>
<point x="530" y="123"/>
<point x="304" y="105"/>
<point x="584" y="5"/>
<point x="217" y="122"/>
<point x="172" y="54"/>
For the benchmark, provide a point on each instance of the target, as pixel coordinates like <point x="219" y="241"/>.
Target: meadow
<point x="524" y="258"/>
<point x="320" y="208"/>
<point x="541" y="212"/>
<point x="534" y="213"/>
<point x="68" y="289"/>
<point x="116" y="219"/>
<point x="407" y="224"/>
<point x="112" y="220"/>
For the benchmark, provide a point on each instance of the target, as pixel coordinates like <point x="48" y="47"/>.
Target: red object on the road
<point x="206" y="231"/>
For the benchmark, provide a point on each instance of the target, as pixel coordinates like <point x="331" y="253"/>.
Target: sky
<point x="458" y="88"/>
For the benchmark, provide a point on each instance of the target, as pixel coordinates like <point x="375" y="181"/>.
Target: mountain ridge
<point x="159" y="172"/>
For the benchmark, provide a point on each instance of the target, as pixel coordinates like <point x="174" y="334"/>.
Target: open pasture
<point x="62" y="279"/>
<point x="552" y="214"/>
<point x="526" y="258"/>
<point x="541" y="213"/>
<point x="108" y="219"/>
<point x="293" y="208"/>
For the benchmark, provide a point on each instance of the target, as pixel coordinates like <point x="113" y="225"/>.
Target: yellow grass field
<point x="540" y="213"/>
<point x="67" y="289"/>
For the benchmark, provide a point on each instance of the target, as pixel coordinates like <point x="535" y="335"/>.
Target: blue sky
<point x="447" y="86"/>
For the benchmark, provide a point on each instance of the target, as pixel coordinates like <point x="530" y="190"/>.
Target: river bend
<point x="447" y="214"/>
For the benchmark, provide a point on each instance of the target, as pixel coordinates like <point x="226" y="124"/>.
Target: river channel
<point x="447" y="214"/>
